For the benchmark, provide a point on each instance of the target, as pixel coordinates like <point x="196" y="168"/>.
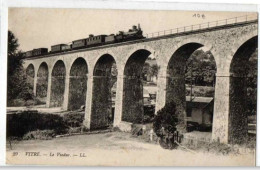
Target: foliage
<point x="58" y="84"/>
<point x="17" y="85"/>
<point x="150" y="70"/>
<point x="21" y="123"/>
<point x="21" y="102"/>
<point x="40" y="134"/>
<point x="145" y="70"/>
<point x="72" y="130"/>
<point x="166" y="120"/>
<point x="148" y="114"/>
<point x="78" y="84"/>
<point x="252" y="84"/>
<point x="77" y="92"/>
<point x="74" y="119"/>
<point x="251" y="142"/>
<point x="114" y="70"/>
<point x="34" y="125"/>
<point x="154" y="70"/>
<point x="200" y="69"/>
<point x="214" y="147"/>
<point x="165" y="125"/>
<point x="201" y="91"/>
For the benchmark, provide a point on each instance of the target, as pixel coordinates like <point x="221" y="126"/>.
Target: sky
<point x="43" y="27"/>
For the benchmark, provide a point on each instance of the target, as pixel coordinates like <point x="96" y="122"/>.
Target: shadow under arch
<point x="133" y="103"/>
<point x="78" y="84"/>
<point x="42" y="82"/>
<point x="104" y="76"/>
<point x="175" y="85"/>
<point x="58" y="76"/>
<point x="239" y="69"/>
<point x="30" y="73"/>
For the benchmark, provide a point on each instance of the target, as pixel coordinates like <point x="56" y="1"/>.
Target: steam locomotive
<point x="92" y="41"/>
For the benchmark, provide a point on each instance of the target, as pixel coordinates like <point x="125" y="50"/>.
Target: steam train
<point x="92" y="41"/>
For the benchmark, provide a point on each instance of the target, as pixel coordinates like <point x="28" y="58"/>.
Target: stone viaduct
<point x="85" y="77"/>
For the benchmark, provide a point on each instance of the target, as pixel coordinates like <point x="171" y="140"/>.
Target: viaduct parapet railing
<point x="202" y="26"/>
<point x="171" y="32"/>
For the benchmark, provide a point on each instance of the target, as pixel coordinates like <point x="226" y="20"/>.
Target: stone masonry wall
<point x="223" y="42"/>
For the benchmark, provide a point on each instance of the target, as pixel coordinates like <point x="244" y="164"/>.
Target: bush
<point x="16" y="102"/>
<point x="165" y="123"/>
<point x="166" y="119"/>
<point x="29" y="103"/>
<point x="148" y="114"/>
<point x="40" y="134"/>
<point x="251" y="142"/>
<point x="75" y="130"/>
<point x="74" y="119"/>
<point x="223" y="149"/>
<point x="21" y="123"/>
<point x="216" y="147"/>
<point x="22" y="102"/>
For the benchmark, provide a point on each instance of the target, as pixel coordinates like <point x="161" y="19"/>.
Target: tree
<point x="165" y="123"/>
<point x="17" y="86"/>
<point x="145" y="71"/>
<point x="201" y="65"/>
<point x="154" y="70"/>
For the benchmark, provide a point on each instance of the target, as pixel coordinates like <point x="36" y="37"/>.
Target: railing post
<point x="191" y="27"/>
<point x="164" y="32"/>
<point x="246" y="18"/>
<point x="183" y="29"/>
<point x="226" y="21"/>
<point x="216" y="23"/>
<point x="199" y="26"/>
<point x="177" y="30"/>
<point x="208" y="24"/>
<point x="236" y="20"/>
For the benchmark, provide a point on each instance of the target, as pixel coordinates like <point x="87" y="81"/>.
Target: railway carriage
<point x="79" y="43"/>
<point x="57" y="48"/>
<point x="110" y="39"/>
<point x="66" y="47"/>
<point x="40" y="51"/>
<point x="29" y="53"/>
<point x="95" y="40"/>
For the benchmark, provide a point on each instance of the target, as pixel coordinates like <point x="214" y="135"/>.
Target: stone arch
<point x="152" y="51"/>
<point x="42" y="82"/>
<point x="238" y="43"/>
<point x="30" y="75"/>
<point x="104" y="76"/>
<point x="30" y="70"/>
<point x="175" y="75"/>
<point x="133" y="104"/>
<point x="164" y="61"/>
<point x="78" y="84"/>
<point x="204" y="43"/>
<point x="58" y="76"/>
<point x="29" y="65"/>
<point x="95" y="61"/>
<point x="238" y="90"/>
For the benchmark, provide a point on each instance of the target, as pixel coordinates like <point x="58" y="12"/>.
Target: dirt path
<point x="115" y="148"/>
